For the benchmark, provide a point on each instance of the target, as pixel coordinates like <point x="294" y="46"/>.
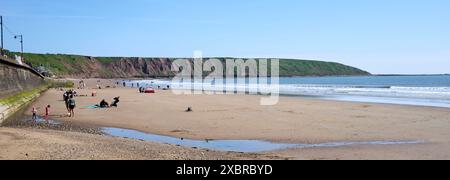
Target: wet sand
<point x="38" y="144"/>
<point x="293" y="120"/>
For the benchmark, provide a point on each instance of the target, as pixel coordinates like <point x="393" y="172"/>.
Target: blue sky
<point x="381" y="36"/>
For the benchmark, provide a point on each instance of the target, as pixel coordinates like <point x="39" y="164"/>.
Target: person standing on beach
<point x="66" y="96"/>
<point x="72" y="106"/>
<point x="47" y="112"/>
<point x="34" y="111"/>
<point x="66" y="100"/>
<point x="81" y="84"/>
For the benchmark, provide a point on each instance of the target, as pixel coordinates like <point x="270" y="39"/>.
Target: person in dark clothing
<point x="66" y="100"/>
<point x="47" y="112"/>
<point x="65" y="96"/>
<point x="72" y="106"/>
<point x="104" y="104"/>
<point x="115" y="102"/>
<point x="124" y="84"/>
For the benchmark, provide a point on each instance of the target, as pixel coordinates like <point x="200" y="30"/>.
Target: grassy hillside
<point x="293" y="67"/>
<point x="110" y="67"/>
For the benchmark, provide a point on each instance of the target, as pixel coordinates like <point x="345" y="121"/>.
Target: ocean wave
<point x="319" y="89"/>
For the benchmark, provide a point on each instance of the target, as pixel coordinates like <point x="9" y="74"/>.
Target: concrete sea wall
<point x="15" y="78"/>
<point x="18" y="86"/>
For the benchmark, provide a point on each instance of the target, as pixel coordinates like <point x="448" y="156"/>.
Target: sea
<point x="418" y="90"/>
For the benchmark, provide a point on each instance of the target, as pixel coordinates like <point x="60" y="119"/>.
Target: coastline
<point x="229" y="117"/>
<point x="432" y="91"/>
<point x="410" y="74"/>
<point x="224" y="82"/>
<point x="294" y="120"/>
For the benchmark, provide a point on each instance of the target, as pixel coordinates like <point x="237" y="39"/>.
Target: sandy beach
<point x="240" y="117"/>
<point x="34" y="144"/>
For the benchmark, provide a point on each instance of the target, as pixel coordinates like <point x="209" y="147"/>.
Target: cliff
<point x="128" y="67"/>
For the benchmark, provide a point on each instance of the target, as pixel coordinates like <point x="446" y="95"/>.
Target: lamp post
<point x="1" y="29"/>
<point x="21" y="43"/>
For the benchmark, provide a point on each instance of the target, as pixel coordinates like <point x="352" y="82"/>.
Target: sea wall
<point x="15" y="78"/>
<point x="18" y="85"/>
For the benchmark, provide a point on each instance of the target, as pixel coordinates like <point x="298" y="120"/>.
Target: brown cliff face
<point x="123" y="68"/>
<point x="90" y="68"/>
<point x="75" y="66"/>
<point x="140" y="67"/>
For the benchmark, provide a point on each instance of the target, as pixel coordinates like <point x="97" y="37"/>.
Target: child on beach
<point x="34" y="111"/>
<point x="47" y="112"/>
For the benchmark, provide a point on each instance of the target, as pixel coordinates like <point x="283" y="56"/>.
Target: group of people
<point x="34" y="111"/>
<point x="143" y="89"/>
<point x="104" y="104"/>
<point x="69" y="101"/>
